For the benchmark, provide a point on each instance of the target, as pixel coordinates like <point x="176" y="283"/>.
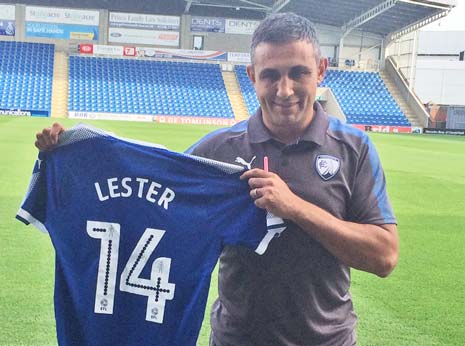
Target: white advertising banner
<point x="144" y="37"/>
<point x="240" y="26"/>
<point x="108" y="50"/>
<point x="7" y="20"/>
<point x="239" y="57"/>
<point x="173" y="119"/>
<point x="167" y="53"/>
<point x="144" y="21"/>
<point x="7" y="12"/>
<point x="110" y="116"/>
<point x="61" y="16"/>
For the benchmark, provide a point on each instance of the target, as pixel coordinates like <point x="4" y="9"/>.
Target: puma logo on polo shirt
<point x="241" y="161"/>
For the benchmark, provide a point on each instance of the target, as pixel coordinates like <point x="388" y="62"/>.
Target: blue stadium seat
<point x="26" y="75"/>
<point x="364" y="98"/>
<point x="247" y="89"/>
<point x="147" y="87"/>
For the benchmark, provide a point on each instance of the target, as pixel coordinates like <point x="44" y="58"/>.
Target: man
<point x="324" y="178"/>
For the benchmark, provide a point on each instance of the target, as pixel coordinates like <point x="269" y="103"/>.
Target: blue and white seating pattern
<point x="147" y="87"/>
<point x="364" y="98"/>
<point x="166" y="88"/>
<point x="26" y="75"/>
<point x="247" y="89"/>
<point x="362" y="95"/>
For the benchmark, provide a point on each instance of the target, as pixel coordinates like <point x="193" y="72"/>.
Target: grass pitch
<point x="422" y="303"/>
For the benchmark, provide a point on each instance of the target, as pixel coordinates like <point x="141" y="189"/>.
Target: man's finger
<point x="57" y="129"/>
<point x="259" y="182"/>
<point x="39" y="141"/>
<point x="255" y="173"/>
<point x="38" y="145"/>
<point x="46" y="137"/>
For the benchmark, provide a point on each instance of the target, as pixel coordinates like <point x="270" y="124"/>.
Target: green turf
<point x="422" y="303"/>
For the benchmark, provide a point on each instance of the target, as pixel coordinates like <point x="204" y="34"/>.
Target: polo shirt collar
<point x="256" y="128"/>
<point x="315" y="132"/>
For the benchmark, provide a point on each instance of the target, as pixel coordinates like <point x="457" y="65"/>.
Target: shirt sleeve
<point x="369" y="203"/>
<point x="33" y="209"/>
<point x="238" y="220"/>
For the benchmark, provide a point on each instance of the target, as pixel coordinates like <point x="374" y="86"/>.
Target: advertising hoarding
<point x="222" y="25"/>
<point x="163" y="53"/>
<point x="144" y="29"/>
<point x="109" y="116"/>
<point x="62" y="23"/>
<point x="207" y="24"/>
<point x="7" y="20"/>
<point x="62" y="31"/>
<point x="17" y="112"/>
<point x="239" y="57"/>
<point x="146" y="37"/>
<point x="144" y="21"/>
<point x="384" y="128"/>
<point x="61" y="16"/>
<point x="108" y="50"/>
<point x="86" y="48"/>
<point x="182" y="54"/>
<point x="241" y="26"/>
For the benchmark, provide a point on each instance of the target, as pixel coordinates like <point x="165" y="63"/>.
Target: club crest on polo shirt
<point x="327" y="166"/>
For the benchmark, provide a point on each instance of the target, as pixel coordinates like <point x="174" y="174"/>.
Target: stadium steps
<point x="235" y="95"/>
<point x="60" y="86"/>
<point x="404" y="107"/>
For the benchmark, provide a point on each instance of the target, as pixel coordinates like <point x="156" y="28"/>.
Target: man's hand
<point x="270" y="192"/>
<point x="367" y="247"/>
<point x="48" y="138"/>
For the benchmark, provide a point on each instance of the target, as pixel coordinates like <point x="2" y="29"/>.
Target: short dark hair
<point x="286" y="27"/>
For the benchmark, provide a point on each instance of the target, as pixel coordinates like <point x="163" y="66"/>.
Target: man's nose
<point x="285" y="88"/>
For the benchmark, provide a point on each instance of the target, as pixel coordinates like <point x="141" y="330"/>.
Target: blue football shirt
<point x="137" y="230"/>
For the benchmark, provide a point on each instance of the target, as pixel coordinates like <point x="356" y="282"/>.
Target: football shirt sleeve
<point x="237" y="218"/>
<point x="33" y="209"/>
<point x="369" y="202"/>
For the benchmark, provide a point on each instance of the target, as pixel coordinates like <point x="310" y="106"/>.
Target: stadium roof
<point x="380" y="17"/>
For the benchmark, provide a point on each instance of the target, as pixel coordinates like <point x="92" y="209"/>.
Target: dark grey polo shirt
<point x="297" y="293"/>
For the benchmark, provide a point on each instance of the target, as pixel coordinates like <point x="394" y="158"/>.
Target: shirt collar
<point x="315" y="132"/>
<point x="256" y="128"/>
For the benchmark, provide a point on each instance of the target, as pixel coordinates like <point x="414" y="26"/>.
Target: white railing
<point x="410" y="97"/>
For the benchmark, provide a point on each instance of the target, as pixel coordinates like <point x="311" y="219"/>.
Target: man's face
<point x="285" y="77"/>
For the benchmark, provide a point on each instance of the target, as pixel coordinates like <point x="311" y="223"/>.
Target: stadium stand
<point x="26" y="75"/>
<point x="364" y="98"/>
<point x="362" y="95"/>
<point x="147" y="87"/>
<point x="138" y="86"/>
<point x="134" y="88"/>
<point x="248" y="92"/>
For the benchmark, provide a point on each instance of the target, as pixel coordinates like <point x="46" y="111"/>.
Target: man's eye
<point x="270" y="75"/>
<point x="297" y="74"/>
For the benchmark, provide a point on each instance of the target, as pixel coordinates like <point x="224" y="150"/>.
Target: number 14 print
<point x="157" y="289"/>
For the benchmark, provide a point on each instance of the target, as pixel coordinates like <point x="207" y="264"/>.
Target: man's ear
<point x="322" y="69"/>
<point x="251" y="73"/>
